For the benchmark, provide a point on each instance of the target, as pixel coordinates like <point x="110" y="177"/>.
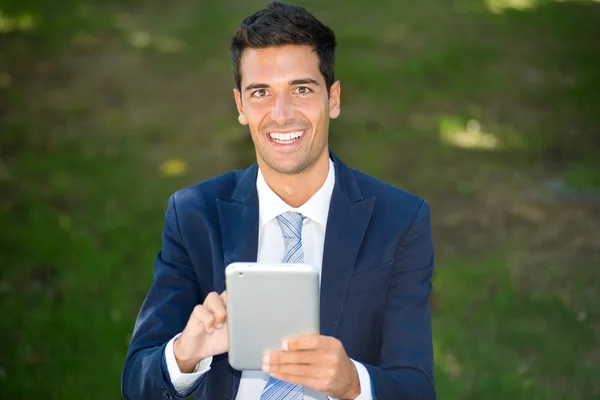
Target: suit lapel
<point x="239" y="221"/>
<point x="349" y="216"/>
<point x="238" y="218"/>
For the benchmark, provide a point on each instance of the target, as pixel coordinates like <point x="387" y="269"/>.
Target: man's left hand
<point x="318" y="362"/>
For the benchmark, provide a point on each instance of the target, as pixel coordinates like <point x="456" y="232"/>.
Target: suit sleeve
<point x="164" y="313"/>
<point x="405" y="370"/>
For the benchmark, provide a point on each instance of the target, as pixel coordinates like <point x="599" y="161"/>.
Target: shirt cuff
<point x="365" y="382"/>
<point x="182" y="382"/>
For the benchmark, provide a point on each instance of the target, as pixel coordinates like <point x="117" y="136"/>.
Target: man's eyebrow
<point x="304" y="81"/>
<point x="256" y="86"/>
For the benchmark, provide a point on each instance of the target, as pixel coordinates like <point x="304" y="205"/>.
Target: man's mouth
<point x="286" y="138"/>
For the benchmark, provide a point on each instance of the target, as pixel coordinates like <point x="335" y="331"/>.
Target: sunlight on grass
<point x="23" y="22"/>
<point x="164" y="44"/>
<point x="174" y="167"/>
<point x="140" y="39"/>
<point x="498" y="6"/>
<point x="470" y="136"/>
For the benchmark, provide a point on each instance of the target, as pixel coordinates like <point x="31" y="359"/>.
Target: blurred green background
<point x="490" y="109"/>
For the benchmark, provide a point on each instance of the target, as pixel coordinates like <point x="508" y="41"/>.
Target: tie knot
<point x="291" y="224"/>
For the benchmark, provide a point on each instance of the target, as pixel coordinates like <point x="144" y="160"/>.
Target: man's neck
<point x="297" y="189"/>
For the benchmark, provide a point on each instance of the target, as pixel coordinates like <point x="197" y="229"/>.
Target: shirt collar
<point x="270" y="205"/>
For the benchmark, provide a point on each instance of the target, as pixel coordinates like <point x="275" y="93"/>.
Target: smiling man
<point x="298" y="203"/>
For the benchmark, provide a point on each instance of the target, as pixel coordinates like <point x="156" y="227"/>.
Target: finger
<point x="312" y="357"/>
<point x="224" y="298"/>
<point x="214" y="304"/>
<point x="202" y="317"/>
<point x="309" y="342"/>
<point x="302" y="370"/>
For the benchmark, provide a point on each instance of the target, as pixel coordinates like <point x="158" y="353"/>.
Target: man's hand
<point x="205" y="335"/>
<point x="318" y="362"/>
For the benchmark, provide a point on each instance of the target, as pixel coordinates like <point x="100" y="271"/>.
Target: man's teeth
<point x="286" y="137"/>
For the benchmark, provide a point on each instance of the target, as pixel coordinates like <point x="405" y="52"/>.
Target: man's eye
<point x="259" y="93"/>
<point x="303" y="90"/>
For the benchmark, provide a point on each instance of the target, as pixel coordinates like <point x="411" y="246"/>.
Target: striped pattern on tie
<point x="279" y="390"/>
<point x="291" y="229"/>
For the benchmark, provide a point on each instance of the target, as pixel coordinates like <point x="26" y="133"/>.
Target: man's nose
<point x="282" y="110"/>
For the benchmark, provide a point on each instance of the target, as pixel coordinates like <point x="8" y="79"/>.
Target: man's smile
<point x="286" y="137"/>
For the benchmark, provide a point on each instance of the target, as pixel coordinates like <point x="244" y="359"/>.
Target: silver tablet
<point x="267" y="303"/>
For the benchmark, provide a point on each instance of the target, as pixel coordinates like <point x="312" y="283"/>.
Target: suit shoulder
<point x="218" y="187"/>
<point x="388" y="194"/>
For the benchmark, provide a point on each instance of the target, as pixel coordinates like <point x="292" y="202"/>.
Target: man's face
<point x="284" y="102"/>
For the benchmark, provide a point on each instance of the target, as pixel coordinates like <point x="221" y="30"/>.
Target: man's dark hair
<point x="284" y="24"/>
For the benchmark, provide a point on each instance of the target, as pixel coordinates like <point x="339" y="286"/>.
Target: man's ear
<point x="238" y="102"/>
<point x="334" y="100"/>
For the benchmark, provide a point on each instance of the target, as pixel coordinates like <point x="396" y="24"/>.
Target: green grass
<point x="89" y="120"/>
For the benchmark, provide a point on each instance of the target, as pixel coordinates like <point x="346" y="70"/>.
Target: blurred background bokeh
<point x="489" y="109"/>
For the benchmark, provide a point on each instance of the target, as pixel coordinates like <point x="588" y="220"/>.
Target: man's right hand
<point x="205" y="334"/>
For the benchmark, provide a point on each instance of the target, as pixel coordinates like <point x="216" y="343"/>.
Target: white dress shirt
<point x="270" y="250"/>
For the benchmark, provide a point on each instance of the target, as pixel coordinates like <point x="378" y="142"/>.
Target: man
<point x="371" y="242"/>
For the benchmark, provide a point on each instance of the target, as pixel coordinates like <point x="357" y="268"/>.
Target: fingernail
<point x="265" y="367"/>
<point x="284" y="345"/>
<point x="219" y="326"/>
<point x="266" y="359"/>
<point x="210" y="330"/>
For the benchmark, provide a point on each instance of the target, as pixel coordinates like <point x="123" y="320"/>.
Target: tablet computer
<point x="267" y="303"/>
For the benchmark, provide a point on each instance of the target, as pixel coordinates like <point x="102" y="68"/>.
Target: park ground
<point x="489" y="109"/>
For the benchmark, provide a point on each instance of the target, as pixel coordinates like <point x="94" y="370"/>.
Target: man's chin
<point x="287" y="168"/>
<point x="291" y="170"/>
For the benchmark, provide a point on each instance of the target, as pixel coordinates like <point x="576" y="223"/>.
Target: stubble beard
<point x="300" y="167"/>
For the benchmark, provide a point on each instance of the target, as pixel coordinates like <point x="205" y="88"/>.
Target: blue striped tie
<point x="291" y="228"/>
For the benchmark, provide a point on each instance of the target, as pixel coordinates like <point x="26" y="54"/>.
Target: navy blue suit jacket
<point x="375" y="284"/>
